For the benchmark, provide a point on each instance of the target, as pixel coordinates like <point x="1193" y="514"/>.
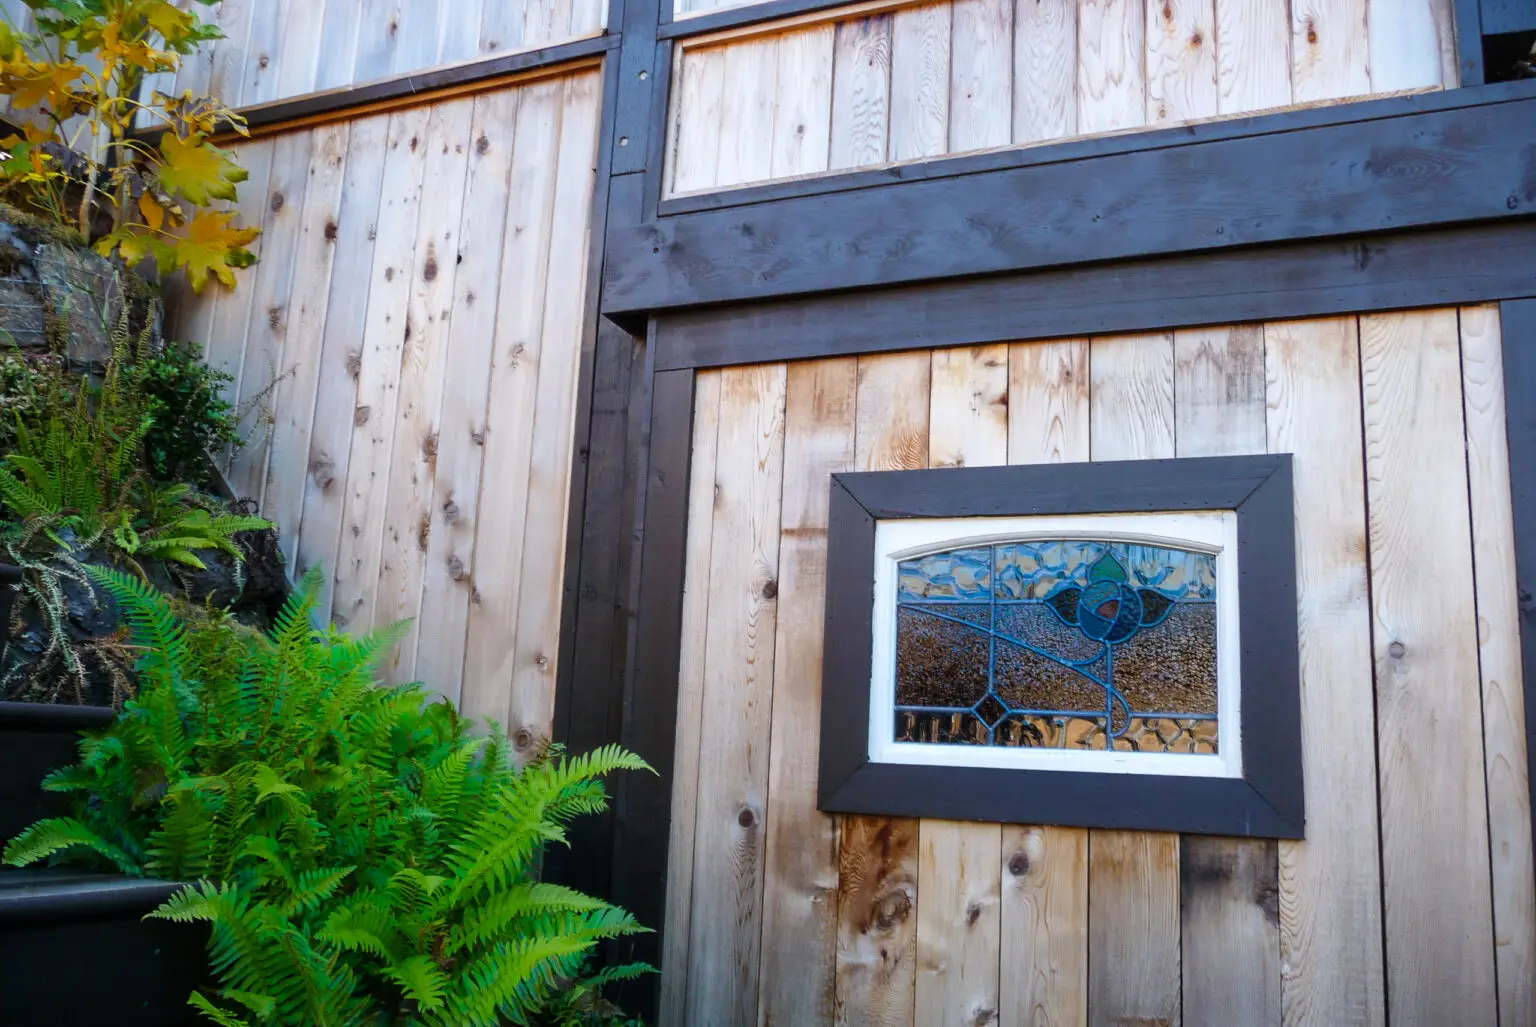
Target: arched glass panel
<point x="1059" y="643"/>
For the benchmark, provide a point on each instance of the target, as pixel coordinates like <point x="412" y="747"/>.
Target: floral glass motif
<point x="1062" y="644"/>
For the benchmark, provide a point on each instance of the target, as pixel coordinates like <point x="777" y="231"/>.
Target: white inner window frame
<point x="1212" y="531"/>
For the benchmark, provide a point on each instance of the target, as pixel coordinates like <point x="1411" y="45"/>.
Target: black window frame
<point x="1266" y="802"/>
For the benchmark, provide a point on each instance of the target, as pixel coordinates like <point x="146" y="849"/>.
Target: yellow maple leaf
<point x="154" y="214"/>
<point x="32" y="84"/>
<point x="197" y="169"/>
<point x="171" y="23"/>
<point x="214" y="246"/>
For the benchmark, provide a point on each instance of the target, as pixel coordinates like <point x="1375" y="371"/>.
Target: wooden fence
<point x="891" y="81"/>
<point x="408" y="349"/>
<point x="779" y="914"/>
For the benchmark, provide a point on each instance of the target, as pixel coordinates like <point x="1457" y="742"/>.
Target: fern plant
<point x="361" y="858"/>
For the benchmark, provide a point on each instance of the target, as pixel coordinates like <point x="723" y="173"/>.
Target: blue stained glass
<point x="1063" y="643"/>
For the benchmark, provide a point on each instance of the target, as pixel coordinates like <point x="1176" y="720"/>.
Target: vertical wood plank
<point x="417" y="47"/>
<point x="378" y="37"/>
<point x="346" y="316"/>
<point x="920" y="52"/>
<point x="799" y="949"/>
<point x="298" y="62"/>
<point x="554" y="415"/>
<point x="1219" y="391"/>
<point x="587" y="17"/>
<point x="861" y="91"/>
<point x="228" y="317"/>
<point x="1111" y="65"/>
<point x="502" y="512"/>
<point x="458" y="30"/>
<point x="1044" y="945"/>
<point x="733" y="761"/>
<point x="1435" y="867"/>
<point x="981" y="75"/>
<point x="263" y="50"/>
<point x="447" y="580"/>
<point x="690" y="697"/>
<point x="1330" y="884"/>
<point x="1253" y="55"/>
<point x="228" y="57"/>
<point x="803" y="115"/>
<point x="1228" y="888"/>
<point x="424" y="357"/>
<point x="746" y="134"/>
<point x="545" y="22"/>
<point x="1133" y="878"/>
<point x="1044" y="70"/>
<point x="270" y="293"/>
<point x="697" y="108"/>
<point x="1181" y="60"/>
<point x="1329" y="50"/>
<point x="378" y="375"/>
<point x="1498" y="629"/>
<point x="877" y="857"/>
<point x="303" y="345"/>
<point x="1405" y="43"/>
<point x="959" y="865"/>
<point x="339" y="37"/>
<point x="501" y="27"/>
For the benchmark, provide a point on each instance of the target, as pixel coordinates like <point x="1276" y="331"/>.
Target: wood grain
<point x="424" y="360"/>
<point x="338" y="42"/>
<point x="1044" y="946"/>
<point x="981" y="75"/>
<point x="458" y="29"/>
<point x="227" y="59"/>
<point x="1111" y="51"/>
<point x="1133" y="879"/>
<point x="1228" y="888"/>
<point x="548" y="485"/>
<point x="725" y="936"/>
<point x="516" y="356"/>
<point x="501" y="27"/>
<point x="1253" y="55"/>
<point x="1219" y="391"/>
<point x="378" y="37"/>
<point x="1329" y="50"/>
<point x="746" y="113"/>
<point x="876" y="921"/>
<point x="1133" y="928"/>
<point x="700" y="91"/>
<point x="330" y="434"/>
<point x="1498" y="629"/>
<point x="690" y="696"/>
<point x="302" y="357"/>
<point x="877" y="857"/>
<point x="1406" y="42"/>
<point x="1044" y="70"/>
<point x="264" y="46"/>
<point x="378" y="374"/>
<point x="298" y="62"/>
<point x="418" y="35"/>
<point x="1330" y="884"/>
<point x="799" y="954"/>
<point x="545" y="21"/>
<point x="1435" y="867"/>
<point x="1181" y="60"/>
<point x="861" y="92"/>
<point x="448" y="577"/>
<point x="803" y="110"/>
<point x="920" y="90"/>
<point x="959" y="864"/>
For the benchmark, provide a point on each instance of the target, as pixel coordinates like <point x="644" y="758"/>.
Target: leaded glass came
<point x="1063" y="644"/>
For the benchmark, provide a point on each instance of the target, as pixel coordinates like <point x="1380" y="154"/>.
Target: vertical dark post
<point x="1518" y="330"/>
<point x="650" y="700"/>
<point x="1469" y="41"/>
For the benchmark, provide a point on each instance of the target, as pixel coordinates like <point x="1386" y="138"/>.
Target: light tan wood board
<point x="913" y="80"/>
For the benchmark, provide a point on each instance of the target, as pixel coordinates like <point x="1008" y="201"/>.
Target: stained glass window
<point x="1060" y="644"/>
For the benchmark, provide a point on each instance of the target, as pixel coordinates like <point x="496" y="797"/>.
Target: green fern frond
<point x="420" y="981"/>
<point x="214" y="1013"/>
<point x="61" y="834"/>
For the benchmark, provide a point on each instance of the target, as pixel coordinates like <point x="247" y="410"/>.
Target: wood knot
<point x="747" y="818"/>
<point x="451" y="512"/>
<point x="1311" y="32"/>
<point x="522" y="739"/>
<point x="429" y="273"/>
<point x="1397" y="650"/>
<point x="1018" y="864"/>
<point x="354" y="363"/>
<point x="275" y="318"/>
<point x="389" y="274"/>
<point x="972" y="913"/>
<point x="263" y="61"/>
<point x="455" y="569"/>
<point x="330" y="230"/>
<point x="423" y="533"/>
<point x="1197" y="40"/>
<point x="277" y="202"/>
<point x="770" y="590"/>
<point x="360" y="416"/>
<point x="482" y="144"/>
<point x="892" y="911"/>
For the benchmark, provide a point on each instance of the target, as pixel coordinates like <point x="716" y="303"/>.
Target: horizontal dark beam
<point x="1418" y="169"/>
<point x="1474" y="264"/>
<point x="1500" y="16"/>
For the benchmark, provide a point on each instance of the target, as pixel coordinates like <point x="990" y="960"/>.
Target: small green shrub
<point x="360" y="857"/>
<point x="185" y="398"/>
